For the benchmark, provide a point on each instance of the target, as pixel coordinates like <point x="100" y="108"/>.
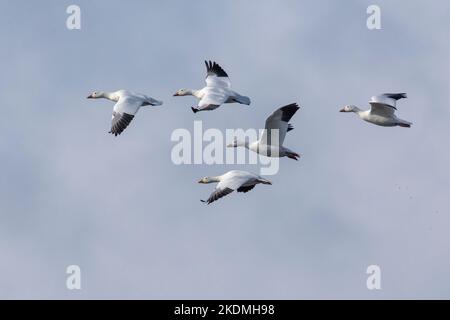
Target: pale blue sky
<point x="70" y="193"/>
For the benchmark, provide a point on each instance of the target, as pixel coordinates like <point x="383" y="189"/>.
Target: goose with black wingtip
<point x="217" y="91"/>
<point x="235" y="180"/>
<point x="127" y="105"/>
<point x="382" y="111"/>
<point x="271" y="142"/>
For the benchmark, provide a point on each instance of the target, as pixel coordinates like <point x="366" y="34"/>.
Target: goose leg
<point x="293" y="155"/>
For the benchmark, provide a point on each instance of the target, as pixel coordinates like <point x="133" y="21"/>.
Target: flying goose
<point x="217" y="90"/>
<point x="127" y="105"/>
<point x="241" y="181"/>
<point x="271" y="142"/>
<point x="382" y="110"/>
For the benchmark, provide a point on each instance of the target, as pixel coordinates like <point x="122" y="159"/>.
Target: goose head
<point x="349" y="108"/>
<point x="95" y="95"/>
<point x="236" y="143"/>
<point x="183" y="92"/>
<point x="206" y="180"/>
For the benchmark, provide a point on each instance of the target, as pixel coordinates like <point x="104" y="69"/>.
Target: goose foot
<point x="293" y="155"/>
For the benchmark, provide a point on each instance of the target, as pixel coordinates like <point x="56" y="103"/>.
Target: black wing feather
<point x="396" y="96"/>
<point x="288" y="111"/>
<point x="217" y="194"/>
<point x="213" y="69"/>
<point x="245" y="189"/>
<point x="120" y="122"/>
<point x="290" y="127"/>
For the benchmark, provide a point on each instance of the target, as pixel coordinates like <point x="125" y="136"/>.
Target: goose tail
<point x="264" y="181"/>
<point x="404" y="124"/>
<point x="242" y="99"/>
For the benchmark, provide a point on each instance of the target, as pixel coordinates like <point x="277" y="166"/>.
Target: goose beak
<point x="176" y="94"/>
<point x="342" y="110"/>
<point x="200" y="181"/>
<point x="89" y="96"/>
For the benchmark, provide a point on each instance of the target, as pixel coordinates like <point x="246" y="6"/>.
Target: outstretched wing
<point x="382" y="109"/>
<point x="217" y="90"/>
<point x="278" y="124"/>
<point x="388" y="99"/>
<point x="217" y="194"/>
<point x="385" y="104"/>
<point x="216" y="76"/>
<point x="120" y="122"/>
<point x="124" y="111"/>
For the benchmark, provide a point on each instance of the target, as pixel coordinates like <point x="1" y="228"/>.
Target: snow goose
<point x="271" y="142"/>
<point x="217" y="90"/>
<point x="127" y="105"/>
<point x="382" y="110"/>
<point x="241" y="181"/>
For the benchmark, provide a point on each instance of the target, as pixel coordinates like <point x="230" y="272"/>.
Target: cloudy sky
<point x="70" y="193"/>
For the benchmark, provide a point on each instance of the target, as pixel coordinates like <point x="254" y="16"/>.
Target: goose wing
<point x="245" y="189"/>
<point x="279" y="120"/>
<point x="382" y="109"/>
<point x="123" y="113"/>
<point x="217" y="90"/>
<point x="216" y="76"/>
<point x="217" y="194"/>
<point x="385" y="104"/>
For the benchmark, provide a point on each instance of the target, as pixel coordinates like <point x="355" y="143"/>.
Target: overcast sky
<point x="70" y="193"/>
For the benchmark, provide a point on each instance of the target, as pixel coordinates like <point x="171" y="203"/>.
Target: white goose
<point x="382" y="111"/>
<point x="217" y="90"/>
<point x="241" y="181"/>
<point x="271" y="142"/>
<point x="127" y="105"/>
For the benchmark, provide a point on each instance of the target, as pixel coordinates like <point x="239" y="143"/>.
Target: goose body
<point x="217" y="91"/>
<point x="127" y="105"/>
<point x="271" y="142"/>
<point x="272" y="150"/>
<point x="382" y="111"/>
<point x="235" y="180"/>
